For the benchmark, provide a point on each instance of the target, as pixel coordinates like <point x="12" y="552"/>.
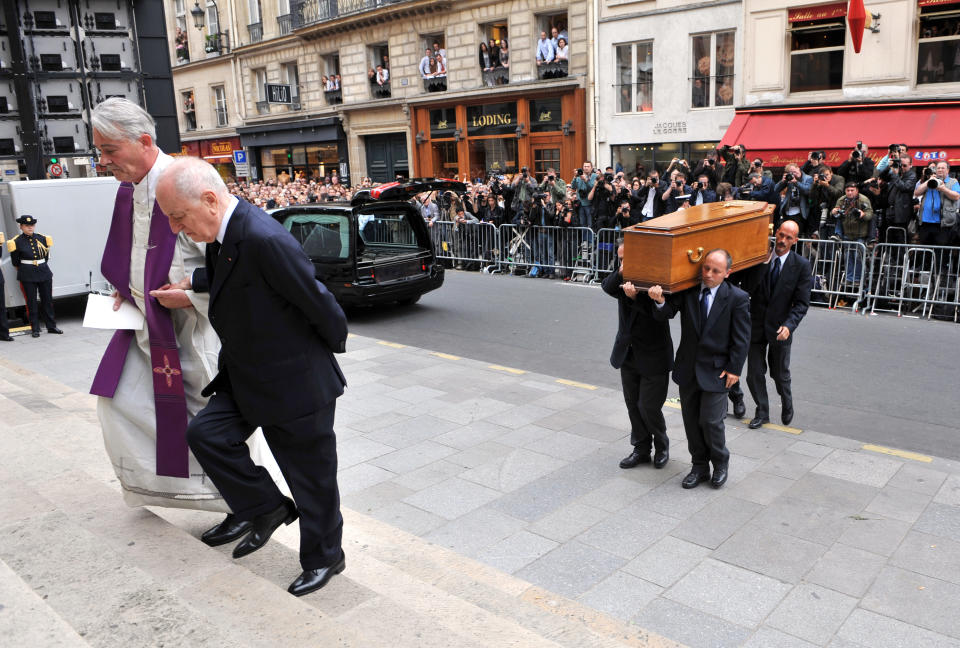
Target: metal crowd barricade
<point x="605" y="252"/>
<point x="541" y="250"/>
<point x="466" y="244"/>
<point x="915" y="280"/>
<point x="840" y="274"/>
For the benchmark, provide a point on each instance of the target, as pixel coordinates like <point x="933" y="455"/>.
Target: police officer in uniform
<point x="30" y="253"/>
<point x="4" y="326"/>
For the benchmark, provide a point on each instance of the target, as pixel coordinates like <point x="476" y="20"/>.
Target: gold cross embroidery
<point x="167" y="371"/>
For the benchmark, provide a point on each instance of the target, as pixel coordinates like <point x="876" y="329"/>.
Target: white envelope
<point x="100" y="314"/>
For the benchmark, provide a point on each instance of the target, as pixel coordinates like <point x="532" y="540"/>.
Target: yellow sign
<point x="442" y="124"/>
<point x="221" y="148"/>
<point x="479" y="121"/>
<point x="545" y="116"/>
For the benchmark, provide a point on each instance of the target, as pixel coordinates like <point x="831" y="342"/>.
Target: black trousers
<point x="644" y="396"/>
<point x="703" y="413"/>
<point x="44" y="290"/>
<point x="778" y="356"/>
<point x="4" y="324"/>
<point x="305" y="450"/>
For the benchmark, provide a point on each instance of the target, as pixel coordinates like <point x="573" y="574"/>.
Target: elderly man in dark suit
<point x="643" y="352"/>
<point x="279" y="328"/>
<point x="714" y="339"/>
<point x="779" y="298"/>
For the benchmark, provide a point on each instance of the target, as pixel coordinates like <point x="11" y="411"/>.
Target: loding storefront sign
<point x="492" y="119"/>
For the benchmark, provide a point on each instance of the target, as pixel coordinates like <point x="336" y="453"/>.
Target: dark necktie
<point x="774" y="273"/>
<point x="704" y="306"/>
<point x="214" y="248"/>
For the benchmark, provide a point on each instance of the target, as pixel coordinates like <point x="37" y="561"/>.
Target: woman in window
<point x="438" y="67"/>
<point x="325" y="82"/>
<point x="504" y="54"/>
<point x="486" y="60"/>
<point x="494" y="52"/>
<point x="563" y="51"/>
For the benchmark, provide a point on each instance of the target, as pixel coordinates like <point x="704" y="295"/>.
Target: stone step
<point x="27" y="617"/>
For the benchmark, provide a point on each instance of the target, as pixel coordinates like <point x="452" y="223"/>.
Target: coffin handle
<point x="695" y="259"/>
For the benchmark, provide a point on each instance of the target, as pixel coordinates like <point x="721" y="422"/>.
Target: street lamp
<point x="199" y="18"/>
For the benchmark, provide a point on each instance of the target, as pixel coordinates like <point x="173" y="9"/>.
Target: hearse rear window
<point x="386" y="230"/>
<point x="325" y="236"/>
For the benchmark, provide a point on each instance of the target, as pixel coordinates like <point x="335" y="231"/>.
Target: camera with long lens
<point x="934" y="182"/>
<point x="608" y="177"/>
<point x="856" y="213"/>
<point x="896" y="164"/>
<point x="822" y="177"/>
<point x="746" y="190"/>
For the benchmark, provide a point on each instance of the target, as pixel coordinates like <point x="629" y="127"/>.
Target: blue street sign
<point x="239" y="157"/>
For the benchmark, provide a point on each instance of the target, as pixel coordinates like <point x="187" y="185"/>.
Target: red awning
<point x="785" y="135"/>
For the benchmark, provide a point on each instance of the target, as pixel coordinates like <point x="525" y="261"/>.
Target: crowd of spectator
<point x="286" y="190"/>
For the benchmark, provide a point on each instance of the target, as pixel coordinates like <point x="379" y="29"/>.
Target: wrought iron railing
<point x="285" y="24"/>
<point x="256" y="32"/>
<point x="309" y="12"/>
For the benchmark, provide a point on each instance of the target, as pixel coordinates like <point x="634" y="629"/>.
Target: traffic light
<point x="289" y="156"/>
<point x="53" y="160"/>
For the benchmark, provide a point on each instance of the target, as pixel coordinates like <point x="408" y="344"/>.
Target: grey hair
<point x="119" y="118"/>
<point x="191" y="177"/>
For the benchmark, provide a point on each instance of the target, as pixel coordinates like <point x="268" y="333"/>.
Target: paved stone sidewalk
<point x="815" y="540"/>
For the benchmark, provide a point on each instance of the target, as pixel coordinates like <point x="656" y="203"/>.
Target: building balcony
<point x="380" y="91"/>
<point x="285" y="24"/>
<point x="333" y="97"/>
<point x="552" y="70"/>
<point x="435" y="84"/>
<point x="312" y="12"/>
<point x="255" y="31"/>
<point x="496" y="76"/>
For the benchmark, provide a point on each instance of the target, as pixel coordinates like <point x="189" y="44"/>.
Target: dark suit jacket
<point x="722" y="346"/>
<point x="788" y="303"/>
<point x="278" y="325"/>
<point x="649" y="337"/>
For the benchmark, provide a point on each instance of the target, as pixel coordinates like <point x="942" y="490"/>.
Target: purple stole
<point x="171" y="404"/>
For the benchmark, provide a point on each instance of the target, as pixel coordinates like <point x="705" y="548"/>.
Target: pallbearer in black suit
<point x="643" y="352"/>
<point x="30" y="254"/>
<point x="715" y="337"/>
<point x="779" y="298"/>
<point x="4" y="326"/>
<point x="279" y="328"/>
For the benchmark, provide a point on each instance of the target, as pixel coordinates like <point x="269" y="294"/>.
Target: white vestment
<point x="128" y="420"/>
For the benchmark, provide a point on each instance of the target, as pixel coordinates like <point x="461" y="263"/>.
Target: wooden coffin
<point x="667" y="251"/>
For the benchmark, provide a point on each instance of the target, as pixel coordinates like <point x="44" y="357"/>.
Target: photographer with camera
<point x="894" y="153"/>
<point x="601" y="198"/>
<point x="853" y="213"/>
<point x="757" y="188"/>
<point x="826" y="191"/>
<point x="524" y="186"/>
<point x="736" y="168"/>
<point x="677" y="193"/>
<point x="795" y="188"/>
<point x="858" y="167"/>
<point x="700" y="191"/>
<point x="708" y="167"/>
<point x="902" y="183"/>
<point x="554" y="186"/>
<point x="543" y="216"/>
<point x="651" y="205"/>
<point x="815" y="160"/>
<point x="583" y="181"/>
<point x="938" y="205"/>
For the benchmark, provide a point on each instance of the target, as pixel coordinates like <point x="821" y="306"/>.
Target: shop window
<point x="57" y="104"/>
<point x="330" y="79"/>
<point x="816" y="51"/>
<point x="712" y="78"/>
<point x="110" y="62"/>
<point x="938" y="44"/>
<point x="260" y="87"/>
<point x="379" y="72"/>
<point x="51" y="63"/>
<point x="433" y="63"/>
<point x="189" y="110"/>
<point x="321" y="160"/>
<point x="64" y="145"/>
<point x="291" y="77"/>
<point x="495" y="67"/>
<point x="444" y="159"/>
<point x="634" y="76"/>
<point x="636" y="160"/>
<point x="552" y="47"/>
<point x="546" y="115"/>
<point x="493" y="156"/>
<point x="220" y="105"/>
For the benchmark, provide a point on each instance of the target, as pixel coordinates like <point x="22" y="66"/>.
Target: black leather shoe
<point x="55" y="331"/>
<point x="262" y="527"/>
<point x="227" y="531"/>
<point x="739" y="409"/>
<point x="786" y="414"/>
<point x="635" y="458"/>
<point x="694" y="478"/>
<point x="660" y="458"/>
<point x="35" y="334"/>
<point x="313" y="579"/>
<point x="6" y="338"/>
<point x="757" y="422"/>
<point x="719" y="477"/>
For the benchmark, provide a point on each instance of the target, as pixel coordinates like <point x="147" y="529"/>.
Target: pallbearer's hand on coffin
<point x="630" y="290"/>
<point x="656" y="293"/>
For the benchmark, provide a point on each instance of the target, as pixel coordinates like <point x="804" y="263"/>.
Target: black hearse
<point x="375" y="249"/>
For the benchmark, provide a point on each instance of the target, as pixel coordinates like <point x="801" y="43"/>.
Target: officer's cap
<point x="26" y="219"/>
